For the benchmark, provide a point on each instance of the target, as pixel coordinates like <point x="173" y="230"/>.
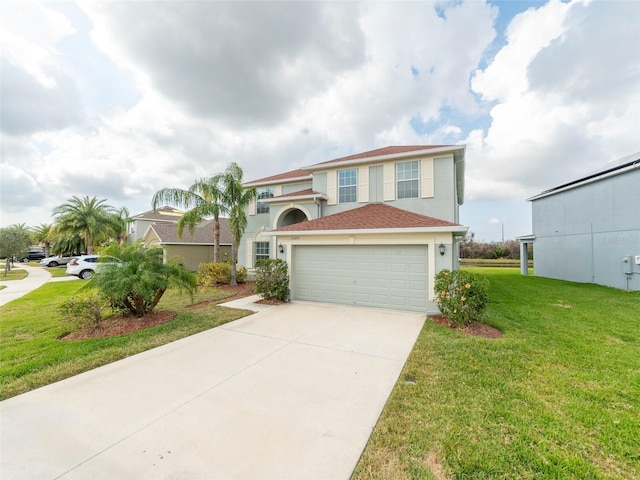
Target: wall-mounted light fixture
<point x="442" y="248"/>
<point x="281" y="248"/>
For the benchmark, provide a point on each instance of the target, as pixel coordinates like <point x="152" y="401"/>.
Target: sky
<point x="120" y="99"/>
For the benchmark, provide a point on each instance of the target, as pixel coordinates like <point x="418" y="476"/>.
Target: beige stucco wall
<point x="191" y="256"/>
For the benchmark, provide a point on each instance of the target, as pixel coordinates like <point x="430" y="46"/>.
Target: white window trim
<point x="348" y="186"/>
<point x="397" y="180"/>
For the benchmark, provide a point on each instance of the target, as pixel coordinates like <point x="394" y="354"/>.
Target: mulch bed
<point x="117" y="325"/>
<point x="476" y="329"/>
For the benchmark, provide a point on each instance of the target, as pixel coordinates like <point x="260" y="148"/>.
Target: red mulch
<point x="477" y="329"/>
<point x="121" y="324"/>
<point x="117" y="325"/>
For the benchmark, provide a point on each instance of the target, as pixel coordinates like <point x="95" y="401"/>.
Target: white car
<point x="83" y="266"/>
<point x="55" y="261"/>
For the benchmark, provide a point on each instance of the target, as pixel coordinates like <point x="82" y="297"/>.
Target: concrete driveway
<point x="291" y="392"/>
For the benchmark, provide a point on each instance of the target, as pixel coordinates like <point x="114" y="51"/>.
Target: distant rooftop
<point x="610" y="168"/>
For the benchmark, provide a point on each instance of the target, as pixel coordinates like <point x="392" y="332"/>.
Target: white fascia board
<point x="292" y="198"/>
<point x="194" y="243"/>
<point x="524" y="238"/>
<point x="379" y="158"/>
<point x="278" y="182"/>
<point x="455" y="229"/>
<point x="587" y="181"/>
<point x="146" y="232"/>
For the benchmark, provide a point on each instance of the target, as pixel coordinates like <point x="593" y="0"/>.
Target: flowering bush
<point x="462" y="296"/>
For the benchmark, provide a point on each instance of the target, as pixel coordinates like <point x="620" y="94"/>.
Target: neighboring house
<point x="369" y="229"/>
<point x="192" y="249"/>
<point x="139" y="224"/>
<point x="588" y="230"/>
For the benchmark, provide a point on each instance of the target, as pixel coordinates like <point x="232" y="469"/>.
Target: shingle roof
<point x="369" y="217"/>
<point x="282" y="176"/>
<point x="167" y="214"/>
<point x="203" y="233"/>
<point x="300" y="193"/>
<point x="384" y="151"/>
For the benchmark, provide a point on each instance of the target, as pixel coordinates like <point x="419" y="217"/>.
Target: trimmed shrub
<point x="210" y="274"/>
<point x="462" y="296"/>
<point x="84" y="312"/>
<point x="272" y="279"/>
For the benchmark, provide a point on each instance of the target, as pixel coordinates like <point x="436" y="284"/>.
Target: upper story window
<point x="348" y="185"/>
<point x="263" y="207"/>
<point x="407" y="179"/>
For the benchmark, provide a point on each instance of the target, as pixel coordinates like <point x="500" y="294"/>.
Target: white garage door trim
<point x="384" y="276"/>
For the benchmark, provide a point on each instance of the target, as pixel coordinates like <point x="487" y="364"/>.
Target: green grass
<point x="14" y="274"/>
<point x="31" y="355"/>
<point x="57" y="271"/>
<point x="558" y="396"/>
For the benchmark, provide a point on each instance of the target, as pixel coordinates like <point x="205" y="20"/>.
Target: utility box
<point x="627" y="264"/>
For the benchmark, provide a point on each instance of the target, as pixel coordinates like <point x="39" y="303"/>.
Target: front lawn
<point x="13" y="274"/>
<point x="558" y="396"/>
<point x="31" y="355"/>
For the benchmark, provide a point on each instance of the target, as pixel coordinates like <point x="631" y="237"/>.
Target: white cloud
<point x="280" y="86"/>
<point x="556" y="114"/>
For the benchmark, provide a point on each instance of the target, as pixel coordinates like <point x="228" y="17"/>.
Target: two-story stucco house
<point x="371" y="229"/>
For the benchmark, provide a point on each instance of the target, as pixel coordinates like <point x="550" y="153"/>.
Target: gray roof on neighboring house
<point x="163" y="214"/>
<point x="203" y="234"/>
<point x="615" y="167"/>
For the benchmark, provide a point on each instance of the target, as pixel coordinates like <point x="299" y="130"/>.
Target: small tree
<point x="462" y="296"/>
<point x="13" y="241"/>
<point x="134" y="278"/>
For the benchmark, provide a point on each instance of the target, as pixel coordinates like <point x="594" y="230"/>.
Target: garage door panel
<point x="378" y="276"/>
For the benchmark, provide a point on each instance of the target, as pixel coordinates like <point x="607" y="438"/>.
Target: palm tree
<point x="121" y="221"/>
<point x="90" y="218"/>
<point x="236" y="199"/>
<point x="202" y="199"/>
<point x="66" y="242"/>
<point x="42" y="234"/>
<point x="135" y="278"/>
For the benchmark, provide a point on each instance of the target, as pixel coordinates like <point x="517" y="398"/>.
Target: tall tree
<point x="66" y="242"/>
<point x="236" y="199"/>
<point x="203" y="199"/>
<point x="42" y="234"/>
<point x="88" y="217"/>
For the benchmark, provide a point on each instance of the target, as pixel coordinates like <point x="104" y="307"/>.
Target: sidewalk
<point x="37" y="277"/>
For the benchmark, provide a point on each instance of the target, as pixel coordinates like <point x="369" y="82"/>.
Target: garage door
<point x="376" y="276"/>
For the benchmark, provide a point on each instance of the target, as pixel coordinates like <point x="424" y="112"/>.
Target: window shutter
<point x="249" y="259"/>
<point x="363" y="184"/>
<point x="332" y="187"/>
<point x="426" y="177"/>
<point x="252" y="207"/>
<point x="389" y="181"/>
